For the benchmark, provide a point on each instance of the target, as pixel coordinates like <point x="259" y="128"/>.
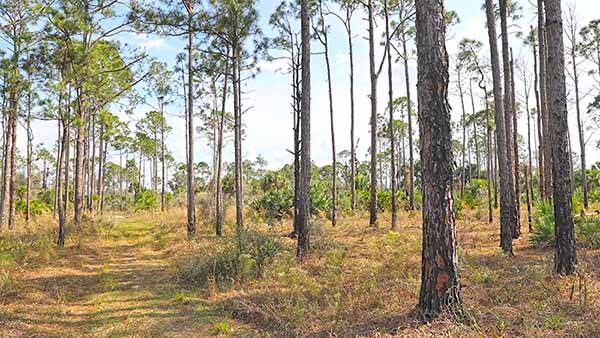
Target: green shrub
<point x="474" y="193"/>
<point x="37" y="206"/>
<point x="587" y="230"/>
<point x="261" y="249"/>
<point x="228" y="264"/>
<point x="543" y="225"/>
<point x="145" y="200"/>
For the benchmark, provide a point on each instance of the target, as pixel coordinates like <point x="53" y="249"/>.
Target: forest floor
<point x="119" y="279"/>
<point x="110" y="284"/>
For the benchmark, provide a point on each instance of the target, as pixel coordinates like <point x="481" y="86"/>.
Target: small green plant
<point x="474" y="193"/>
<point x="258" y="250"/>
<point x="543" y="226"/>
<point x="222" y="327"/>
<point x="145" y="200"/>
<point x="587" y="230"/>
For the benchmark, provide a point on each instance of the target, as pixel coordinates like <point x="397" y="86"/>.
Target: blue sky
<point x="268" y="121"/>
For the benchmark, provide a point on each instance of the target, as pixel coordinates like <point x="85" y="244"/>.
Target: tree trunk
<point x="545" y="144"/>
<point x="373" y="98"/>
<point x="565" y="254"/>
<point x="62" y="206"/>
<point x="536" y="86"/>
<point x="352" y="138"/>
<point x="508" y="114"/>
<point x="237" y="116"/>
<point x="79" y="162"/>
<point x="440" y="287"/>
<point x="515" y="143"/>
<point x="163" y="177"/>
<point x="219" y="188"/>
<point x="464" y="135"/>
<point x="191" y="187"/>
<point x="584" y="184"/>
<point x="391" y="122"/>
<point x="29" y="151"/>
<point x="507" y="202"/>
<point x="411" y="162"/>
<point x="305" y="165"/>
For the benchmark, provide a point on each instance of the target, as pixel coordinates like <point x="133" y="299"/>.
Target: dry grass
<point x="119" y="281"/>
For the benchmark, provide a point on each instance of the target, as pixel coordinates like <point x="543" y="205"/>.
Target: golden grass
<point x="117" y="279"/>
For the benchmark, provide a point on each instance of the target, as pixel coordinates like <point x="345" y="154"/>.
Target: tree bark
<point x="237" y="117"/>
<point x="565" y="254"/>
<point x="440" y="287"/>
<point x="515" y="143"/>
<point x="507" y="202"/>
<point x="305" y="164"/>
<point x="545" y="144"/>
<point x="536" y="85"/>
<point x="392" y="134"/>
<point x="219" y="185"/>
<point x="411" y="161"/>
<point x="508" y="114"/>
<point x="464" y="135"/>
<point x="373" y="99"/>
<point x="29" y="150"/>
<point x="191" y="187"/>
<point x="580" y="129"/>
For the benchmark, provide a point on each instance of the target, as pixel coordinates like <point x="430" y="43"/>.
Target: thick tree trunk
<point x="508" y="215"/>
<point x="440" y="287"/>
<point x="508" y="114"/>
<point x="565" y="255"/>
<point x="305" y="165"/>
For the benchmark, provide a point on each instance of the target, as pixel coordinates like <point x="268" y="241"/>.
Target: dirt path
<point x="117" y="285"/>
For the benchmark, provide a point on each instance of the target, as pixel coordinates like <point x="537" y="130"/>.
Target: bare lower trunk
<point x="440" y="287"/>
<point x="239" y="211"/>
<point x="219" y="188"/>
<point x="191" y="187"/>
<point x="507" y="201"/>
<point x="411" y="162"/>
<point x="565" y="254"/>
<point x="392" y="135"/>
<point x="464" y="135"/>
<point x="373" y="99"/>
<point x="517" y="171"/>
<point x="545" y="144"/>
<point x="352" y="138"/>
<point x="305" y="164"/>
<point x="508" y="115"/>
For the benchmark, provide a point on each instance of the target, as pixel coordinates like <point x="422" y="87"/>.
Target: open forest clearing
<point x="125" y="278"/>
<point x="300" y="168"/>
